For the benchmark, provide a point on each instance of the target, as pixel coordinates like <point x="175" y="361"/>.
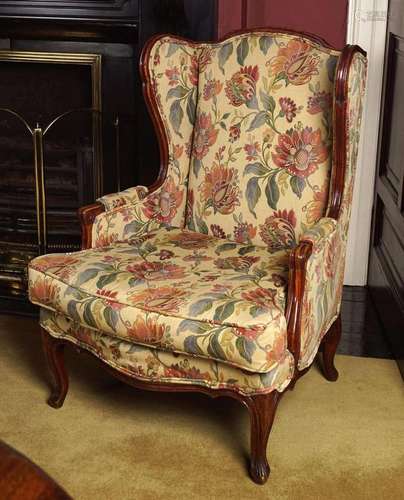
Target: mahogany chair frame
<point x="262" y="407"/>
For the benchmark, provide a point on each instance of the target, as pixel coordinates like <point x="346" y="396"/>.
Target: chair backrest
<point x="249" y="129"/>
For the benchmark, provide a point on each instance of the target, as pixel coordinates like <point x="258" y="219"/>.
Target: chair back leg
<point x="329" y="344"/>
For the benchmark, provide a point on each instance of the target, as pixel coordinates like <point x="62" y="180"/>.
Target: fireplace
<point x="50" y="155"/>
<point x="73" y="124"/>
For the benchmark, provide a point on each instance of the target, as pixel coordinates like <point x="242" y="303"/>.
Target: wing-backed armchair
<point x="225" y="276"/>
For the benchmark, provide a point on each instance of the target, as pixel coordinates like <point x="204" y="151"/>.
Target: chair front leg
<point x="262" y="412"/>
<point x="53" y="349"/>
<point x="330" y="343"/>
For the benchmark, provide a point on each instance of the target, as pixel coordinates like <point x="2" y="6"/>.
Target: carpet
<point x="342" y="440"/>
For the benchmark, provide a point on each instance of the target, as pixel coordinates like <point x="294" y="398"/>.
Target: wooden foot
<point x="330" y="344"/>
<point x="262" y="412"/>
<point x="53" y="349"/>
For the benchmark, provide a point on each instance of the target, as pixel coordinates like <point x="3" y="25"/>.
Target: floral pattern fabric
<point x="325" y="268"/>
<point x="126" y="197"/>
<point x="155" y="365"/>
<point x="261" y="156"/>
<point x="249" y="129"/>
<point x="173" y="68"/>
<point x="176" y="290"/>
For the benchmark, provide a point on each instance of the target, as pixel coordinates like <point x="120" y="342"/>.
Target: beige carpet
<point x="109" y="441"/>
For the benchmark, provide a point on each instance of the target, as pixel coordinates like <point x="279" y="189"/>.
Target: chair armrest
<point x="315" y="288"/>
<point x="104" y="205"/>
<point x="128" y="196"/>
<point x="134" y="214"/>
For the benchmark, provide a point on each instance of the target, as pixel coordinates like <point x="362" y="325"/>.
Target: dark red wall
<point x="327" y="19"/>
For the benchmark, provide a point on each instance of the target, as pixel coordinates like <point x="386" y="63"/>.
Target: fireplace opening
<point x="50" y="156"/>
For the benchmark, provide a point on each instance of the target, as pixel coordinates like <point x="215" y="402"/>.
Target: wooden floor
<point x="362" y="333"/>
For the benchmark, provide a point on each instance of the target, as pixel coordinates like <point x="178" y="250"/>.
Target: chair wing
<point x="325" y="266"/>
<point x="170" y="76"/>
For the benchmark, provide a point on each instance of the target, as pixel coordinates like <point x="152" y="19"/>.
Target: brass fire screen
<point x="50" y="156"/>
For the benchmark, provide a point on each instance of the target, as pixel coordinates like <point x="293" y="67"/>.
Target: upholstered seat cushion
<point x="176" y="290"/>
<point x="151" y="364"/>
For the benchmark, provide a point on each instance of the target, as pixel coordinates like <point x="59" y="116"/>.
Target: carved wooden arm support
<point x="87" y="217"/>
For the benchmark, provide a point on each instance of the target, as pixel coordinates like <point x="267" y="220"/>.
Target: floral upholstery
<point x="177" y="290"/>
<point x="155" y="365"/>
<point x="325" y="270"/>
<point x="261" y="152"/>
<point x="126" y="197"/>
<point x="188" y="282"/>
<point x="261" y="155"/>
<point x="171" y="61"/>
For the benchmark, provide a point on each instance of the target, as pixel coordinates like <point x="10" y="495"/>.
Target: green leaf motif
<point x="267" y="101"/>
<point x="193" y="326"/>
<point x="178" y="92"/>
<point x="191" y="107"/>
<point x="132" y="228"/>
<point x="106" y="279"/>
<point x="242" y="51"/>
<point x="225" y="247"/>
<point x="331" y="65"/>
<point x="265" y="42"/>
<point x="172" y="49"/>
<point x="246" y="348"/>
<point x="196" y="166"/>
<point x="224" y="311"/>
<point x="297" y="184"/>
<point x="111" y="317"/>
<point x="246" y="250"/>
<point x="253" y="194"/>
<point x="191" y="345"/>
<point x="203" y="228"/>
<point x="272" y="192"/>
<point x="85" y="276"/>
<point x="88" y="314"/>
<point x="224" y="53"/>
<point x="176" y="116"/>
<point x="252" y="103"/>
<point x="255" y="168"/>
<point x="200" y="307"/>
<point x="259" y="120"/>
<point x="72" y="310"/>
<point x="214" y="348"/>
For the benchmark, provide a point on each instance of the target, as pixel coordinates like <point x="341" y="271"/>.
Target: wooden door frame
<point x="366" y="26"/>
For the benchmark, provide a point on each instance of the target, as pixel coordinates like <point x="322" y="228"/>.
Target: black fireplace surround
<point x="73" y="124"/>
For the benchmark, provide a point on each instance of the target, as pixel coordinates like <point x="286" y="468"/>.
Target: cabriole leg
<point x="330" y="344"/>
<point x="262" y="412"/>
<point x="53" y="349"/>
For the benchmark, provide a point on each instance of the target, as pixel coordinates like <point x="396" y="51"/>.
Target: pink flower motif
<point x="252" y="150"/>
<point x="110" y="297"/>
<point x="205" y="136"/>
<point x="278" y="230"/>
<point x="234" y="133"/>
<point x="212" y="89"/>
<point x="217" y="231"/>
<point x="163" y="204"/>
<point x="300" y="152"/>
<point x="288" y="108"/>
<point x="244" y="233"/>
<point x="319" y="102"/>
<point x="241" y="88"/>
<point x="152" y="271"/>
<point x="165" y="254"/>
<point x="220" y="189"/>
<point x="173" y="75"/>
